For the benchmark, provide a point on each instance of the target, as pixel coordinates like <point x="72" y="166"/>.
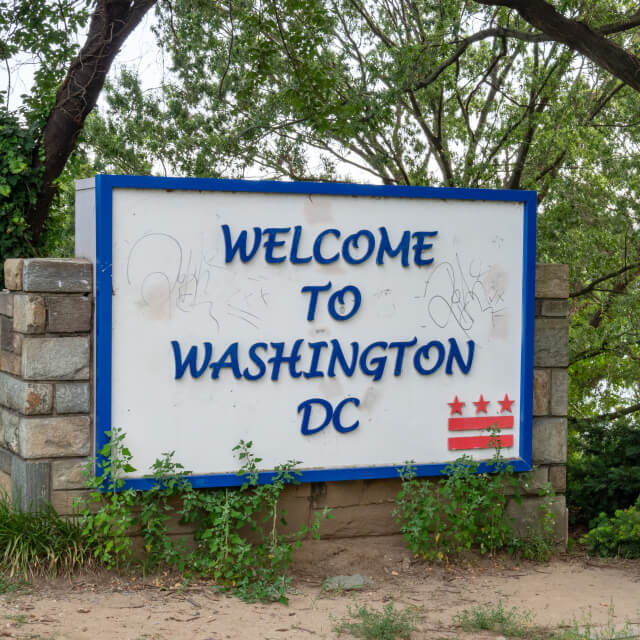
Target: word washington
<point x="319" y="359"/>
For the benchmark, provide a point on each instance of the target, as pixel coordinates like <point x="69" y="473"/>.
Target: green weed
<point x="587" y="630"/>
<point x="508" y="622"/>
<point x="370" y="624"/>
<point x="467" y="509"/>
<point x="237" y="538"/>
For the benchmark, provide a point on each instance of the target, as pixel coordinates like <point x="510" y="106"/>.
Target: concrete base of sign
<point x="46" y="373"/>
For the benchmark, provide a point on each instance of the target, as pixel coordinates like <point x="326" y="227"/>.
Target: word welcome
<point x="355" y="248"/>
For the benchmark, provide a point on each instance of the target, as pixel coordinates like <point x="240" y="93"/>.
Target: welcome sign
<point x="349" y="327"/>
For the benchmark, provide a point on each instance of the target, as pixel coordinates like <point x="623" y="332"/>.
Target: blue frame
<point x="104" y="191"/>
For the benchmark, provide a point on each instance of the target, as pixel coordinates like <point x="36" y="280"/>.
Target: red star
<point x="456" y="406"/>
<point x="506" y="404"/>
<point x="481" y="405"/>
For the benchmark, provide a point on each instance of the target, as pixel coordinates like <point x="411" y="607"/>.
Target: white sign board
<point x="348" y="327"/>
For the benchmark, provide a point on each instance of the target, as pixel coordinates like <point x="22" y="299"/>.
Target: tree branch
<point x="579" y="37"/>
<point x="594" y="283"/>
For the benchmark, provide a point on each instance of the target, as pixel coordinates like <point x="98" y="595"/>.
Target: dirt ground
<point x="103" y="606"/>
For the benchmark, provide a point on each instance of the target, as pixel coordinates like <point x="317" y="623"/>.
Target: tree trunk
<point x="111" y="24"/>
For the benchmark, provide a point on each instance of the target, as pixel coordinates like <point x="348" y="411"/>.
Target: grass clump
<point x="511" y="623"/>
<point x="589" y="631"/>
<point x="370" y="624"/>
<point x="38" y="542"/>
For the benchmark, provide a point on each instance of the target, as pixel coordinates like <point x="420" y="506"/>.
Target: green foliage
<point x="237" y="538"/>
<point x="507" y="622"/>
<point x="19" y="184"/>
<point x="109" y="525"/>
<point x="587" y="630"/>
<point x="387" y="624"/>
<point x="238" y="542"/>
<point x="38" y="542"/>
<point x="618" y="535"/>
<point x="156" y="507"/>
<point x="603" y="470"/>
<point x="450" y="515"/>
<point x="467" y="509"/>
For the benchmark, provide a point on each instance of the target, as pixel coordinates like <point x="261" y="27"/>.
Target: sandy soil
<point x="109" y="607"/>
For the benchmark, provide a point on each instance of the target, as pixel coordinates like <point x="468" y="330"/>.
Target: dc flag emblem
<point x="478" y="422"/>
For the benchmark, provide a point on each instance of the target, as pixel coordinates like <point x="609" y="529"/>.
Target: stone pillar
<point x="45" y="378"/>
<point x="550" y="399"/>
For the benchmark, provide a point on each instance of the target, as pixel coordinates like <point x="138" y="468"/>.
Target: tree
<point x="575" y="33"/>
<point x="414" y="93"/>
<point x="38" y="140"/>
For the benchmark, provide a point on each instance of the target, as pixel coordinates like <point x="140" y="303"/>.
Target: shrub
<point x="603" y="470"/>
<point x="616" y="536"/>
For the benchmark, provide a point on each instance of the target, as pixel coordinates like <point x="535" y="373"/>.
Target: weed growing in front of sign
<point x="237" y="538"/>
<point x="238" y="542"/>
<point x="466" y="510"/>
<point x="107" y="528"/>
<point x="370" y="624"/>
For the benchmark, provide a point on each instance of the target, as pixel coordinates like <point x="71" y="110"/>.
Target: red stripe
<point x="479" y="442"/>
<point x="481" y="422"/>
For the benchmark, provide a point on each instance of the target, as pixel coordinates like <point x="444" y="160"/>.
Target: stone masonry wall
<point x="45" y="404"/>
<point x="45" y="377"/>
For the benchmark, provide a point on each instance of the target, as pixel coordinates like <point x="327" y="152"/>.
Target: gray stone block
<point x="13" y="273"/>
<point x="541" y="391"/>
<point x="54" y="437"/>
<point x="555" y="308"/>
<point x="6" y="458"/>
<point x="73" y="397"/>
<point x="6" y="334"/>
<point x="56" y="358"/>
<point x="29" y="313"/>
<point x="31" y="484"/>
<point x="527" y="517"/>
<point x="558" y="478"/>
<point x="57" y="275"/>
<point x="29" y="398"/>
<point x="552" y="281"/>
<point x="551" y="342"/>
<point x="68" y="473"/>
<point x="6" y="303"/>
<point x="549" y="440"/>
<point x="559" y="392"/>
<point x="10" y="363"/>
<point x="69" y="314"/>
<point x="9" y="425"/>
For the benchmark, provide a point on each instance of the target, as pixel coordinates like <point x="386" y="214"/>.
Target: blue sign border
<point x="105" y="184"/>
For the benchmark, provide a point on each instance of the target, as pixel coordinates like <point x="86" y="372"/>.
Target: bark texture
<point x="110" y="25"/>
